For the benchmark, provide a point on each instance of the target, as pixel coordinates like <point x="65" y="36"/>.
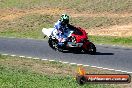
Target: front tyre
<point x="53" y="43"/>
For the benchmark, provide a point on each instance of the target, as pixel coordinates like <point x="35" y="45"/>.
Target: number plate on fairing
<point x="71" y="44"/>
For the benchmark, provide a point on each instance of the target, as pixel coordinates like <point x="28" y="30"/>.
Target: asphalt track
<point x="106" y="56"/>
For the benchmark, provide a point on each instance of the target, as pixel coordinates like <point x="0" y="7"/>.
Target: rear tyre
<point x="91" y="49"/>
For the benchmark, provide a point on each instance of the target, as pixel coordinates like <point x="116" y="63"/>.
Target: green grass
<point x="77" y="5"/>
<point x="27" y="26"/>
<point x="97" y="22"/>
<point x="126" y="41"/>
<point x="21" y="73"/>
<point x="19" y="78"/>
<point x="30" y="26"/>
<point x="16" y="72"/>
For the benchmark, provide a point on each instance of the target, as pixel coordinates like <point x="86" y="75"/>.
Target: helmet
<point x="64" y="19"/>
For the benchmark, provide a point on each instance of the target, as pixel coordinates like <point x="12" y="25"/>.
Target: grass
<point x="93" y="6"/>
<point x="33" y="23"/>
<point x="27" y="26"/>
<point x="30" y="26"/>
<point x="18" y="72"/>
<point x="100" y="22"/>
<point x="11" y="78"/>
<point x="126" y="41"/>
<point x="26" y="73"/>
<point x="21" y="78"/>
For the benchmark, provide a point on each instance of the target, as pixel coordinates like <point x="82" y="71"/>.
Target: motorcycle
<point x="76" y="41"/>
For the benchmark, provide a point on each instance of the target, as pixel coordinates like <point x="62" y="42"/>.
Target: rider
<point x="61" y="27"/>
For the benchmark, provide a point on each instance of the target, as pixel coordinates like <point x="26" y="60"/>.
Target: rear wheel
<point x="91" y="49"/>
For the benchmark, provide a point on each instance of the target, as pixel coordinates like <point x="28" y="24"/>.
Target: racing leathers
<point x="60" y="31"/>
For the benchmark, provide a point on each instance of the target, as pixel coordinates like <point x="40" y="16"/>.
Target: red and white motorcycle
<point x="76" y="41"/>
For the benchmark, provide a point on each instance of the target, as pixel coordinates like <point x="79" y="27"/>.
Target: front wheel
<point x="53" y="43"/>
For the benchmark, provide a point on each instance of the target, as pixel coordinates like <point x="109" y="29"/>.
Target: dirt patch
<point x="117" y="30"/>
<point x="101" y="15"/>
<point x="11" y="14"/>
<point x="15" y="13"/>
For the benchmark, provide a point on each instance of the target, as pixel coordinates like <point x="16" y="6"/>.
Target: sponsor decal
<point x="82" y="77"/>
